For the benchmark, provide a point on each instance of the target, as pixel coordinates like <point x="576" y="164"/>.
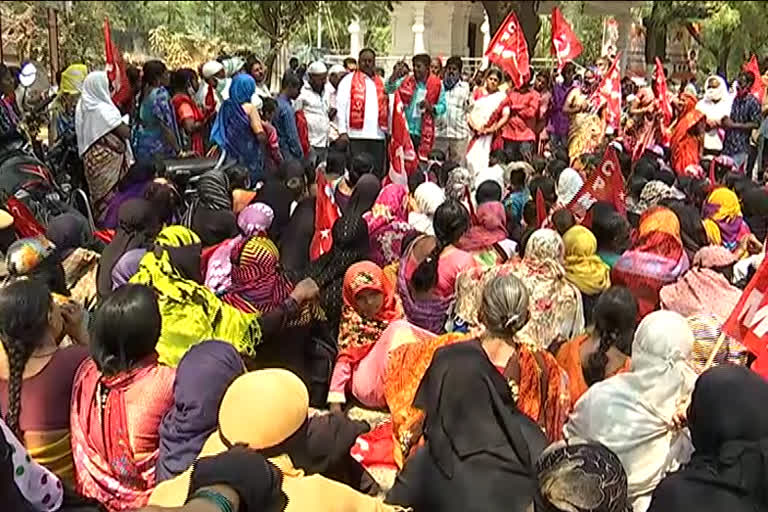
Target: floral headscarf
<point x="356" y="330"/>
<point x="388" y="223"/>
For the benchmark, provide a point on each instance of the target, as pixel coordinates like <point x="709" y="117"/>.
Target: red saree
<point x="110" y="466"/>
<point x="686" y="146"/>
<point x="184" y="108"/>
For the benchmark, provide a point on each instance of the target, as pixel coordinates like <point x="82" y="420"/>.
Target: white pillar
<point x="418" y="28"/>
<point x="355" y="41"/>
<point x="485" y="28"/>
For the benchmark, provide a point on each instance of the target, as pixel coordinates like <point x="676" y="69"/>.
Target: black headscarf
<point x="70" y="231"/>
<point x="138" y="224"/>
<point x="214" y="226"/>
<point x="278" y="197"/>
<point x="728" y="421"/>
<point x="350" y="245"/>
<point x="366" y="191"/>
<point x="691" y="228"/>
<point x="480" y="449"/>
<point x="755" y="210"/>
<point x="297" y="237"/>
<point x="581" y="477"/>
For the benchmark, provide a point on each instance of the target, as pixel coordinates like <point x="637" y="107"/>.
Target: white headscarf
<point x="428" y="196"/>
<point x="717" y="101"/>
<point x="632" y="413"/>
<point x="95" y="114"/>
<point x="568" y="185"/>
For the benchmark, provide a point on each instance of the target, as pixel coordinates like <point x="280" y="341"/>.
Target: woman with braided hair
<point x="429" y="268"/>
<point x="36" y="375"/>
<point x="604" y="350"/>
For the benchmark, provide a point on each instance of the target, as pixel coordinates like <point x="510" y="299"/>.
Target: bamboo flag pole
<point x="714" y="352"/>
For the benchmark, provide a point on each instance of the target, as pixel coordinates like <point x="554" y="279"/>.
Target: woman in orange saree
<point x="687" y="137"/>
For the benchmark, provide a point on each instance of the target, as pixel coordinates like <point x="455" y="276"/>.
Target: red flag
<point x="326" y="214"/>
<point x="24" y="222"/>
<point x="663" y="99"/>
<point x="608" y="94"/>
<point x="606" y="183"/>
<point x="757" y="88"/>
<point x="749" y="321"/>
<point x="509" y="50"/>
<point x="402" y="157"/>
<point x="115" y="68"/>
<point x="565" y="45"/>
<point x="541" y="208"/>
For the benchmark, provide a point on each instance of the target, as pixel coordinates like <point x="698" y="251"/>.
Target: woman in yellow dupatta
<point x="191" y="312"/>
<point x="583" y="267"/>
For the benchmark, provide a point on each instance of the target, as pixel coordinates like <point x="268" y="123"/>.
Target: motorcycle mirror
<point x="28" y="74"/>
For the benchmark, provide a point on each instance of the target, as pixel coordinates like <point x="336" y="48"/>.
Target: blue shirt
<point x="745" y="109"/>
<point x="285" y="124"/>
<point x="412" y="111"/>
<point x="516" y="202"/>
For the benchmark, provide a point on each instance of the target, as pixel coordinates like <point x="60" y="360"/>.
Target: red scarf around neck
<point x="407" y="90"/>
<point x="357" y="101"/>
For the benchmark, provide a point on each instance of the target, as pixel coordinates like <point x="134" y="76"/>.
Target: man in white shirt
<point x="335" y="74"/>
<point x="363" y="111"/>
<point x="215" y="87"/>
<point x="313" y="100"/>
<point x="452" y="128"/>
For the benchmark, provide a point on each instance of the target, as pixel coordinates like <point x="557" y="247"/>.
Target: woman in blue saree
<point x="157" y="133"/>
<point x="238" y="127"/>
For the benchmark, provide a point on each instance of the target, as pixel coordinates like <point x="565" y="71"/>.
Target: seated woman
<point x="344" y="188"/>
<point x="138" y="225"/>
<point x="427" y="198"/>
<point x="370" y="304"/>
<point x="584" y="268"/>
<point x="238" y="128"/>
<point x="707" y="329"/>
<point x="192" y="313"/>
<point x="103" y="142"/>
<point x="388" y="224"/>
<point x="474" y="431"/>
<point x="581" y="475"/>
<point x="78" y="252"/>
<point x="202" y="377"/>
<point x="706" y="287"/>
<point x="728" y="423"/>
<point x="429" y="268"/>
<point x="487" y="238"/>
<point x="119" y="397"/>
<point x="211" y="215"/>
<point x="686" y="140"/>
<point x="259" y="285"/>
<point x="605" y="349"/>
<point x="645" y="401"/>
<point x="723" y="220"/>
<point x="656" y="259"/>
<point x="254" y="220"/>
<point x="157" y="133"/>
<point x="555" y="307"/>
<point x="36" y="374"/>
<point x="267" y="410"/>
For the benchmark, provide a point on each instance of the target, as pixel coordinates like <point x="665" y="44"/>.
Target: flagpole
<point x="714" y="352"/>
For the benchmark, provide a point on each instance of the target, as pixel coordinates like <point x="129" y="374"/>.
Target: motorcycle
<point x="23" y="171"/>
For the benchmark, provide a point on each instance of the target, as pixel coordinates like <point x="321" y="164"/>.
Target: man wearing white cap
<point x="335" y="74"/>
<point x="215" y="87"/>
<point x="314" y="102"/>
<point x="363" y="111"/>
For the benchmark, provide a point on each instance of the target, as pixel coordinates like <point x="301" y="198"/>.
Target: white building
<point x="461" y="28"/>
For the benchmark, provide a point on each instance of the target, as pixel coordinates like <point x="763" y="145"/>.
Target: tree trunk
<point x="723" y="54"/>
<point x="656" y="36"/>
<point x="527" y="13"/>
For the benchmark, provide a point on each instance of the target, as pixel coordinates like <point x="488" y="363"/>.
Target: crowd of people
<point x="466" y="341"/>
